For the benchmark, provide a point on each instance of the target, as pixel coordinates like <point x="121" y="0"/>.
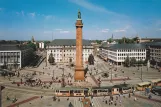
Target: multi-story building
<point x="11" y="54"/>
<point x="155" y="51"/>
<point x="41" y="45"/>
<point x="64" y="50"/>
<point x="118" y="52"/>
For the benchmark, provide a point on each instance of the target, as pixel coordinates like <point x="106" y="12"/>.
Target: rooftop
<point x="12" y="47"/>
<point x="127" y="46"/>
<point x="68" y="42"/>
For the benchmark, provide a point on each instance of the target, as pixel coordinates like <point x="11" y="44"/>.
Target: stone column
<point x="79" y="70"/>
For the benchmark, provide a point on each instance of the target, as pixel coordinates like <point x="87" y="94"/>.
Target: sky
<point x="55" y="19"/>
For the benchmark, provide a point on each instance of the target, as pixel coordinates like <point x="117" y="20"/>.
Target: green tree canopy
<point x="98" y="41"/>
<point x="127" y="40"/>
<point x="133" y="61"/>
<point x="127" y="61"/>
<point x="110" y="40"/>
<point x="51" y="59"/>
<point x="32" y="45"/>
<point x="91" y="59"/>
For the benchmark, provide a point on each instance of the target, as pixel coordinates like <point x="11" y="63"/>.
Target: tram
<point x="143" y="85"/>
<point x="124" y="88"/>
<point x="156" y="82"/>
<point x="101" y="91"/>
<point x="67" y="92"/>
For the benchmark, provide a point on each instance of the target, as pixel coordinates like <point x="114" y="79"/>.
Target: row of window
<point x="131" y="54"/>
<point x="68" y="55"/>
<point x="9" y="53"/>
<point x="10" y="60"/>
<point x="137" y="50"/>
<point x="85" y="50"/>
<point x="60" y="60"/>
<point x="137" y="58"/>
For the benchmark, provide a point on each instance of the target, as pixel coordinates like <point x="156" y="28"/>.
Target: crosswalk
<point x="77" y="103"/>
<point x="96" y="102"/>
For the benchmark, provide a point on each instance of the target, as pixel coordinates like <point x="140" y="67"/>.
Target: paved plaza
<point x="46" y="73"/>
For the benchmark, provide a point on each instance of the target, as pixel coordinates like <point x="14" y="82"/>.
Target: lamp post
<point x="63" y="83"/>
<point x="53" y="74"/>
<point x="141" y="73"/>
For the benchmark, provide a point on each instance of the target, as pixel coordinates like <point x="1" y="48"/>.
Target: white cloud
<point x="93" y="7"/>
<point x="58" y="29"/>
<point x="20" y="13"/>
<point x="49" y="17"/>
<point x="104" y="30"/>
<point x="64" y="31"/>
<point x="123" y="30"/>
<point x="32" y="14"/>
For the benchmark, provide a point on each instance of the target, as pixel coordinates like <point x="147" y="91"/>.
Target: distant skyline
<point x="22" y="19"/>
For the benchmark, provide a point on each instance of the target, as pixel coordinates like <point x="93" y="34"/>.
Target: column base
<point x="79" y="74"/>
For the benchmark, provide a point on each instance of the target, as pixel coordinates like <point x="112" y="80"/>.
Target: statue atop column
<point x="79" y="14"/>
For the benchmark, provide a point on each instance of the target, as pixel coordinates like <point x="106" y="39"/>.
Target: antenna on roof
<point x="52" y="36"/>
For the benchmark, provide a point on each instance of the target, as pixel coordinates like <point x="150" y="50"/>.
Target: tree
<point x="110" y="40"/>
<point x="98" y="41"/>
<point x="145" y="61"/>
<point x="91" y="59"/>
<point x="51" y="59"/>
<point x="140" y="62"/>
<point x="127" y="61"/>
<point x="133" y="61"/>
<point x="32" y="45"/>
<point x="45" y="43"/>
<point x="153" y="62"/>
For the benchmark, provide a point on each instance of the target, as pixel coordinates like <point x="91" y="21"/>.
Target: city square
<point x="120" y="68"/>
<point x="27" y="91"/>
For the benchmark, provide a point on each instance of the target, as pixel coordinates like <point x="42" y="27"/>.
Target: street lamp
<point x="63" y="83"/>
<point x="53" y="74"/>
<point x="141" y="73"/>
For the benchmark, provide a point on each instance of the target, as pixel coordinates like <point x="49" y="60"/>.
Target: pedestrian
<point x="150" y="96"/>
<point x="70" y="105"/>
<point x="115" y="103"/>
<point x="120" y="102"/>
<point x="106" y="101"/>
<point x="116" y="97"/>
<point x="129" y="95"/>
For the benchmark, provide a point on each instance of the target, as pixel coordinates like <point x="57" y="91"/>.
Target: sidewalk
<point x="146" y="97"/>
<point x="24" y="101"/>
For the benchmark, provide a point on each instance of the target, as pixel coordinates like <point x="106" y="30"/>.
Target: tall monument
<point x="79" y="70"/>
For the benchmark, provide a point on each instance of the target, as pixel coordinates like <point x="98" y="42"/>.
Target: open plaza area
<point x="29" y="95"/>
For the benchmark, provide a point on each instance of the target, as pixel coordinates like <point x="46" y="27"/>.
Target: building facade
<point x="41" y="45"/>
<point x="155" y="51"/>
<point x="64" y="50"/>
<point x="15" y="55"/>
<point x="117" y="53"/>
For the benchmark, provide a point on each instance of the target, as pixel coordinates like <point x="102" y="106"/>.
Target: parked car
<point x="156" y="90"/>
